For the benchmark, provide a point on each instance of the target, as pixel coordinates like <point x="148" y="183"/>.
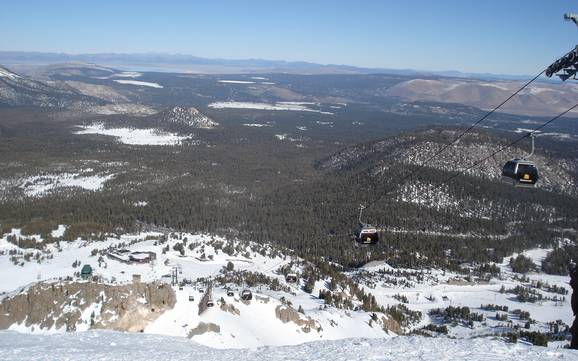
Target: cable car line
<point x="445" y="147"/>
<point x="358" y="231"/>
<point x="514" y="142"/>
<point x="363" y="228"/>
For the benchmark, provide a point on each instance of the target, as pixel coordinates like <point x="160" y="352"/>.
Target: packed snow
<point x="291" y="106"/>
<point x="108" y="345"/>
<point x="140" y="83"/>
<point x="133" y="136"/>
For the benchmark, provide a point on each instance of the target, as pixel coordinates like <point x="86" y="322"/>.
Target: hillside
<point x="129" y="290"/>
<point x="18" y="90"/>
<point x="538" y="99"/>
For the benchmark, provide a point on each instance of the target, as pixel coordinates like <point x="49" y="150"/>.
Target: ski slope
<point x="108" y="345"/>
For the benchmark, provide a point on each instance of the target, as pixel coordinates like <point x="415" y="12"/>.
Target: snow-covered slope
<point x="106" y="345"/>
<point x="270" y="318"/>
<point x="280" y="313"/>
<point x="17" y="90"/>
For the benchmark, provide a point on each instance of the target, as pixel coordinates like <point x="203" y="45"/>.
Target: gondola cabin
<point x="210" y="302"/>
<point x="366" y="234"/>
<point x="520" y="173"/>
<point x="230" y="293"/>
<point x="246" y="295"/>
<point x="291" y="278"/>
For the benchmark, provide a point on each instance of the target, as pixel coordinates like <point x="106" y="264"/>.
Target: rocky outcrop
<point x="191" y="117"/>
<point x="228" y="307"/>
<point x="288" y="314"/>
<point x="204" y="328"/>
<point x="391" y="325"/>
<point x="85" y="305"/>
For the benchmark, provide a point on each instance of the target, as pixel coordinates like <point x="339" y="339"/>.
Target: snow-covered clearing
<point x="236" y="81"/>
<point x="257" y="125"/>
<point x="128" y="74"/>
<point x="140" y="83"/>
<point x="108" y="345"/>
<point x="134" y="136"/>
<point x="292" y="106"/>
<point x="41" y="185"/>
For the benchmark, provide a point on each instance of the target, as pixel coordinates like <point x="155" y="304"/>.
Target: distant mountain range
<point x="188" y="63"/>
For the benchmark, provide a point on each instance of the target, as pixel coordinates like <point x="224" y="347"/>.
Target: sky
<point x="483" y="36"/>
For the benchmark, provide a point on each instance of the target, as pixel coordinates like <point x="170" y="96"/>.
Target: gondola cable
<point x="444" y="148"/>
<point x="493" y="154"/>
<point x="516" y="141"/>
<point x="457" y="138"/>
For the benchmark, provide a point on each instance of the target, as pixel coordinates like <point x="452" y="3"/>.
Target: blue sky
<point x="496" y="36"/>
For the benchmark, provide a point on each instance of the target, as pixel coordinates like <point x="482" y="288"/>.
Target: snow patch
<point x="58" y="232"/>
<point x="128" y="74"/>
<point x="42" y="185"/>
<point x="140" y="83"/>
<point x="292" y="106"/>
<point x="257" y="125"/>
<point x="235" y="81"/>
<point x="6" y="74"/>
<point x="133" y="136"/>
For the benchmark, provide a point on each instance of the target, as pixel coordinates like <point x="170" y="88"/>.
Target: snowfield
<point x="107" y="345"/>
<point x="236" y="82"/>
<point x="257" y="125"/>
<point x="41" y="185"/>
<point x="140" y="83"/>
<point x="134" y="136"/>
<point x="291" y="106"/>
<point x="128" y="74"/>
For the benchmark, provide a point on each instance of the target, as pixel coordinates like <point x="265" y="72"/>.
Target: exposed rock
<point x="391" y="325"/>
<point x="84" y="305"/>
<point x="288" y="314"/>
<point x="203" y="328"/>
<point x="228" y="307"/>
